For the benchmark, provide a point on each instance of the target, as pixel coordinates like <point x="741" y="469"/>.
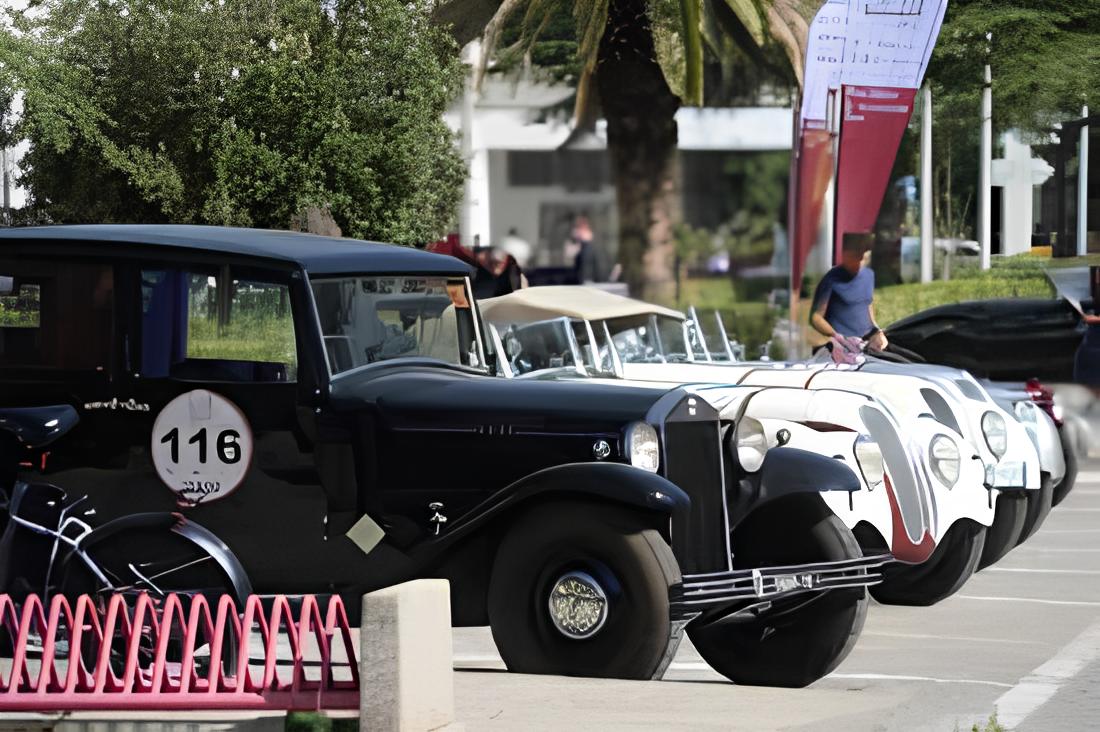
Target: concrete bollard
<point x="406" y="679"/>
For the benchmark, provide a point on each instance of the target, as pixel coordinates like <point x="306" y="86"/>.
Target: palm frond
<point x="491" y="36"/>
<point x="591" y="20"/>
<point x="788" y="25"/>
<point x="691" y="32"/>
<point x="753" y="16"/>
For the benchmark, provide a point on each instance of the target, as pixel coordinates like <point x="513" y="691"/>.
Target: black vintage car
<point x="226" y="410"/>
<point x="984" y="337"/>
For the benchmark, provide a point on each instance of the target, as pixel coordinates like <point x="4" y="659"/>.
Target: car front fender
<point x="786" y="471"/>
<point x="614" y="482"/>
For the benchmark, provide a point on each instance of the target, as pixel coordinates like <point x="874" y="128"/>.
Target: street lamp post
<point x="926" y="236"/>
<point x="985" y="163"/>
<point x="1083" y="188"/>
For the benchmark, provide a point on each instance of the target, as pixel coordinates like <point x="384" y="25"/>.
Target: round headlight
<point x="943" y="456"/>
<point x="996" y="433"/>
<point x="751" y="444"/>
<point x="642" y="447"/>
<point x="869" y="458"/>
<point x="1025" y="412"/>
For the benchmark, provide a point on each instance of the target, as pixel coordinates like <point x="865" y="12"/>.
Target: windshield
<point x="369" y="319"/>
<point x="547" y="344"/>
<point x="714" y="335"/>
<point x="649" y="339"/>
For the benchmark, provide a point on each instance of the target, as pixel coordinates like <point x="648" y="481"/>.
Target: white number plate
<point x="202" y="446"/>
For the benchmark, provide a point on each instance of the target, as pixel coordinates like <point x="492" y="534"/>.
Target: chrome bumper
<point x="748" y="589"/>
<point x="1006" y="475"/>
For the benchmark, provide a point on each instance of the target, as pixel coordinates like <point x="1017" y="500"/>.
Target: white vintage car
<point x="932" y="488"/>
<point x="657" y="343"/>
<point x="999" y="428"/>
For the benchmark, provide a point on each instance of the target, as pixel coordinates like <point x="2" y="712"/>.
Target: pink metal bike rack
<point x="135" y="635"/>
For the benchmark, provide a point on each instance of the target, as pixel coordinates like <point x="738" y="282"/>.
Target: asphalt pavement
<point x="1022" y="638"/>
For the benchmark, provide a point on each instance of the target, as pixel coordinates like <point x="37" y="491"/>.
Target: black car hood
<point x="440" y="391"/>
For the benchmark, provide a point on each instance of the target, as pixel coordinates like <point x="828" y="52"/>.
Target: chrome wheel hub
<point x="578" y="605"/>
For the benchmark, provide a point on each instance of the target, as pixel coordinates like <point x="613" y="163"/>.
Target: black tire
<point x="943" y="574"/>
<point x="155" y="551"/>
<point x="1008" y="524"/>
<point x="1039" y="504"/>
<point x="1070" y="453"/>
<point x="799" y="640"/>
<point x="633" y="565"/>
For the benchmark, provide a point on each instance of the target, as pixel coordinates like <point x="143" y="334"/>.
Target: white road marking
<point x="700" y="666"/>
<point x="478" y="660"/>
<point x="959" y="638"/>
<point x="897" y="677"/>
<point x="1038" y="687"/>
<point x="1041" y="601"/>
<point x="1069" y="531"/>
<point x="484" y="661"/>
<point x="1078" y="510"/>
<point x="1042" y="571"/>
<point x="1057" y="549"/>
<point x="1088" y="476"/>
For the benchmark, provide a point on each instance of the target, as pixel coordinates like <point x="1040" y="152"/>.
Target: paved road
<point x="1022" y="637"/>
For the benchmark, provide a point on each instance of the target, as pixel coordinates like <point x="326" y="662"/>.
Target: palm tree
<point x="642" y="59"/>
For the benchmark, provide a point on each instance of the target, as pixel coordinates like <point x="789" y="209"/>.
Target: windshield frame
<point x="652" y="321"/>
<point x="565" y="325"/>
<point x="481" y="368"/>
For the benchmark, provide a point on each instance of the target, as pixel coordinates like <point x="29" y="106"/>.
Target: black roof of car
<point x="319" y="255"/>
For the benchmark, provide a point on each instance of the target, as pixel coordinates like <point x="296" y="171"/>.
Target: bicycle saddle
<point x="36" y="427"/>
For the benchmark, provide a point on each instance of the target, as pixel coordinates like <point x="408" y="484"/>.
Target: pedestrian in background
<point x="1086" y="361"/>
<point x="843" y="303"/>
<point x="589" y="264"/>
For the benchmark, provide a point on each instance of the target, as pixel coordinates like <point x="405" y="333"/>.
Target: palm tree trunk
<point x="641" y="135"/>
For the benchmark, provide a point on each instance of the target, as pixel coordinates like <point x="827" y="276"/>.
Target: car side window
<point x="369" y="319"/>
<point x="216" y="325"/>
<point x="56" y="315"/>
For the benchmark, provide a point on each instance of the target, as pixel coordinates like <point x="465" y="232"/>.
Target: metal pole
<point x="1083" y="188"/>
<point x="792" y="234"/>
<point x="834" y="123"/>
<point x="985" y="164"/>
<point x="7" y="186"/>
<point x="926" y="234"/>
<point x="466" y="145"/>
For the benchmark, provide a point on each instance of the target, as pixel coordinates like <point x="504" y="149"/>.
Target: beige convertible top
<point x="571" y="301"/>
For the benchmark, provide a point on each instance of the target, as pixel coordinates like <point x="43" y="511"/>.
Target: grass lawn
<point x="1019" y="276"/>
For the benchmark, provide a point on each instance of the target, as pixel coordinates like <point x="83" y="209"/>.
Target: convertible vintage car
<point x="213" y="410"/>
<point x="974" y="526"/>
<point x="894" y="502"/>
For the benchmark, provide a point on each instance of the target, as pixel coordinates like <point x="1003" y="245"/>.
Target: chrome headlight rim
<point x="642" y="446"/>
<point x="749" y="444"/>
<point x="872" y="464"/>
<point x="939" y="461"/>
<point x="995" y="433"/>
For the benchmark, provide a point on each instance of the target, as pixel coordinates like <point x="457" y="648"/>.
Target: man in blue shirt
<point x="844" y="299"/>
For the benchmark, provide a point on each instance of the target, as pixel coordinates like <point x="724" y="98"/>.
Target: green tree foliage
<point x="243" y="112"/>
<point x="1045" y="58"/>
<point x="1045" y="62"/>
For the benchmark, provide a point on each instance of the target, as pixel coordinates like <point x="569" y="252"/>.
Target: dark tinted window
<point x="56" y="315"/>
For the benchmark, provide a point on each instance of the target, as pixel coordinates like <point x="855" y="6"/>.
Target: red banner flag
<point x="873" y="120"/>
<point x="814" y="170"/>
